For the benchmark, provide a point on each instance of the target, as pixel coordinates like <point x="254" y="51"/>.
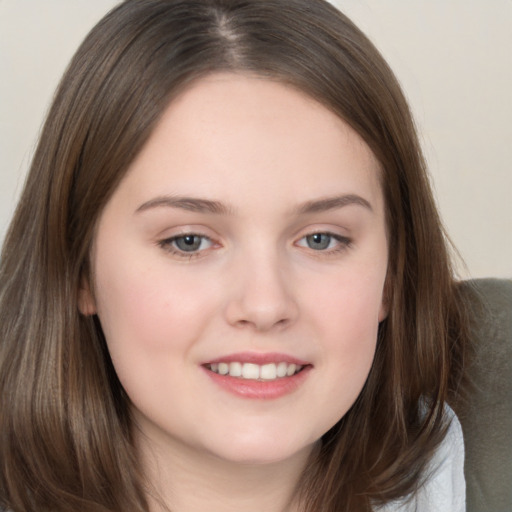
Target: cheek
<point x="350" y="343"/>
<point x="148" y="314"/>
<point x="347" y="320"/>
<point x="151" y="324"/>
<point x="349" y="305"/>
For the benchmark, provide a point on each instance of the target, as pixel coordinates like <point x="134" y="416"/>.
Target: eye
<point x="189" y="243"/>
<point x="324" y="242"/>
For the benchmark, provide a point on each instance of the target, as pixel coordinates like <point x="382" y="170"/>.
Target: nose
<point x="262" y="296"/>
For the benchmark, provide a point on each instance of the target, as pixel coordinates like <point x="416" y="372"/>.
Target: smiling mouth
<point x="251" y="371"/>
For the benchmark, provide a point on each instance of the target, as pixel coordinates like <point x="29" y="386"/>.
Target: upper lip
<point x="258" y="358"/>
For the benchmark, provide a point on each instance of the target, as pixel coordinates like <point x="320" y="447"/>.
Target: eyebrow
<point x="191" y="204"/>
<point x="332" y="203"/>
<point x="199" y="205"/>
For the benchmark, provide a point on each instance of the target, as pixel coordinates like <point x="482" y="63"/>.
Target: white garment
<point x="445" y="489"/>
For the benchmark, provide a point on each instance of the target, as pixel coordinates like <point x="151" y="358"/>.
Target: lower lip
<point x="259" y="389"/>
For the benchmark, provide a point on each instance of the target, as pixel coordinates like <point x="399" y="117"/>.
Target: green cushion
<point x="486" y="415"/>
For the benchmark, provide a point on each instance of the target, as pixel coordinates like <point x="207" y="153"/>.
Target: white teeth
<point x="251" y="371"/>
<point x="281" y="369"/>
<point x="235" y="369"/>
<point x="268" y="371"/>
<point x="291" y="370"/>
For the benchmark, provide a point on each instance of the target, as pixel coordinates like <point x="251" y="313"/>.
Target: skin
<point x="269" y="157"/>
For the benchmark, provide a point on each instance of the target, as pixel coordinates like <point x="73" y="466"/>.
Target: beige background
<point x="453" y="57"/>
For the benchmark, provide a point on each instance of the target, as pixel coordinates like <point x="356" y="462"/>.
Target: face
<point x="238" y="272"/>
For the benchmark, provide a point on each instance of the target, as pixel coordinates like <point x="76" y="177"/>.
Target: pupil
<point x="318" y="241"/>
<point x="188" y="243"/>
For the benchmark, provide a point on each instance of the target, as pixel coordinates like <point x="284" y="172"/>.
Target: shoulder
<point x="444" y="487"/>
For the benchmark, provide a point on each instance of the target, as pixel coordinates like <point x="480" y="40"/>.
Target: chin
<point x="258" y="451"/>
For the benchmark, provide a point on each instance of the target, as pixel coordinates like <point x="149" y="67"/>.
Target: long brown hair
<point x="65" y="427"/>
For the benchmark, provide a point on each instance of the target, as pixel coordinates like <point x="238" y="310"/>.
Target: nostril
<point x="261" y="325"/>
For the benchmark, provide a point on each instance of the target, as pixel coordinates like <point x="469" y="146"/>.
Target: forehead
<point x="227" y="134"/>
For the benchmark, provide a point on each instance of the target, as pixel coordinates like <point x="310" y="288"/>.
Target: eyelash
<point x="168" y="244"/>
<point x="343" y="243"/>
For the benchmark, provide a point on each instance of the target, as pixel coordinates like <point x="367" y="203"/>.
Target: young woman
<point x="226" y="286"/>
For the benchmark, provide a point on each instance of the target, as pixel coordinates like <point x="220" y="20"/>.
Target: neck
<point x="185" y="480"/>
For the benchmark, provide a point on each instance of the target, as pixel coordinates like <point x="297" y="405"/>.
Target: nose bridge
<point x="262" y="296"/>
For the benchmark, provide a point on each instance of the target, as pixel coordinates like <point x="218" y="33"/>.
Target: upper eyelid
<point x="298" y="236"/>
<point x="337" y="232"/>
<point x="185" y="230"/>
<point x="186" y="233"/>
<point x="323" y="232"/>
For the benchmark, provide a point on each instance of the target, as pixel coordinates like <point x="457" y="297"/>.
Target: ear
<point x="86" y="302"/>
<point x="384" y="308"/>
<point x="386" y="300"/>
